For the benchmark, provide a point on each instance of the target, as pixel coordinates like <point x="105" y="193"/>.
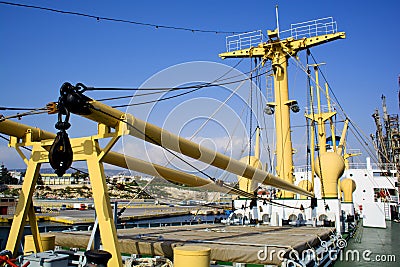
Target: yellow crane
<point x="278" y="52"/>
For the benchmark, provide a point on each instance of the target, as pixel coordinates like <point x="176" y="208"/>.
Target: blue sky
<point x="40" y="50"/>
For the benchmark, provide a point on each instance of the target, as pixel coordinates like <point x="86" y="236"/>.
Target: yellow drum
<point x="48" y="243"/>
<point x="193" y="256"/>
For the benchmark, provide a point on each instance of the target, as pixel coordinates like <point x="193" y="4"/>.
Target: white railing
<point x="310" y="28"/>
<point x="324" y="109"/>
<point x="244" y="40"/>
<point x="354" y="151"/>
<point x="300" y="30"/>
<point x="357" y="165"/>
<point x="394" y="199"/>
<point x="384" y="166"/>
<point x="302" y="168"/>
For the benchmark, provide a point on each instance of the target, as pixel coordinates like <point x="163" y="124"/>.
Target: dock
<point x="77" y="217"/>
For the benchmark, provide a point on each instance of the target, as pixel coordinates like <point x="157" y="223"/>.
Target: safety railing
<point x="310" y="28"/>
<point x="244" y="40"/>
<point x="324" y="109"/>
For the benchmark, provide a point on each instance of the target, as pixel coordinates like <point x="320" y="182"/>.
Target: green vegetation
<point x="5" y="176"/>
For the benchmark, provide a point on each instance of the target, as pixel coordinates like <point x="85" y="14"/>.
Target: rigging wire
<point x="321" y="178"/>
<point x="222" y="104"/>
<point x="181" y="94"/>
<point x="24" y="109"/>
<point x="164" y="90"/>
<point x="98" y="18"/>
<point x="168" y="89"/>
<point x="226" y="174"/>
<point x="24" y="114"/>
<point x="309" y="104"/>
<point x="268" y="148"/>
<point x="158" y="100"/>
<point x="251" y="111"/>
<point x="196" y="88"/>
<point x="215" y="112"/>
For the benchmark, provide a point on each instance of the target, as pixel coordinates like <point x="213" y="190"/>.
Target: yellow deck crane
<point x="278" y="51"/>
<point x="112" y="124"/>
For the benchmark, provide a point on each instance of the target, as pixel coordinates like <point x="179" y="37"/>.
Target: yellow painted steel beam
<point x="341" y="146"/>
<point x="19" y="130"/>
<point x="153" y="169"/>
<point x="24" y="203"/>
<point x="151" y="133"/>
<point x="35" y="229"/>
<point x="108" y="231"/>
<point x="305" y="43"/>
<point x="290" y="46"/>
<point x="123" y="161"/>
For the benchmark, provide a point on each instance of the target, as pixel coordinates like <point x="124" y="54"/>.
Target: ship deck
<point x="228" y="243"/>
<point x="373" y="247"/>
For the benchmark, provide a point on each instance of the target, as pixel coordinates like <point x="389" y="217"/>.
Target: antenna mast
<point x="277" y="19"/>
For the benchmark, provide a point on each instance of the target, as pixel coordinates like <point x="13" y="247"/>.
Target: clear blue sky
<point x="40" y="50"/>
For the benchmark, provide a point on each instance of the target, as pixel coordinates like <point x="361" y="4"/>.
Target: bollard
<point x="193" y="256"/>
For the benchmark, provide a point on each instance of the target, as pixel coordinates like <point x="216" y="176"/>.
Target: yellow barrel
<point x="48" y="243"/>
<point x="193" y="256"/>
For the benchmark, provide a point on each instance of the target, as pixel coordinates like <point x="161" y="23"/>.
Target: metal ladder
<point x="269" y="84"/>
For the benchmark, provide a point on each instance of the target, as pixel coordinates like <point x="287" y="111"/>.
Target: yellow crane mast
<point x="278" y="52"/>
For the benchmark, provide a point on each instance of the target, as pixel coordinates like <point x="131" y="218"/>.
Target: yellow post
<point x="108" y="232"/>
<point x="24" y="205"/>
<point x="36" y="238"/>
<point x="342" y="140"/>
<point x="333" y="134"/>
<point x="312" y="141"/>
<point x="320" y="118"/>
<point x="284" y="150"/>
<point x="193" y="256"/>
<point x="257" y="145"/>
<point x="246" y="184"/>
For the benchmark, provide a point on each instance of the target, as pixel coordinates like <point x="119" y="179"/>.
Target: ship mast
<point x="278" y="51"/>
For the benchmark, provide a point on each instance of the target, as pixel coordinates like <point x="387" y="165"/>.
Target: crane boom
<point x="18" y="130"/>
<point x="111" y="117"/>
